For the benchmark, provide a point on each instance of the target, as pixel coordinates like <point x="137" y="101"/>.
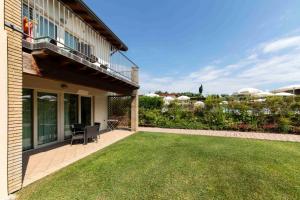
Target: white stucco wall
<point x="99" y="98"/>
<point x="101" y="110"/>
<point x="3" y="105"/>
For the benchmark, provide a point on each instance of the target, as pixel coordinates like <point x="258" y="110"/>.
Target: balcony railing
<point x="51" y="21"/>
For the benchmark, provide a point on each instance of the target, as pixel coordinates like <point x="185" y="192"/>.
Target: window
<point x="43" y="28"/>
<point x="71" y="41"/>
<point x="52" y="31"/>
<point x="27" y="100"/>
<point x="25" y="11"/>
<point x="47" y="117"/>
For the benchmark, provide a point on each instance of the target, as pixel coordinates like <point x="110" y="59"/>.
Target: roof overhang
<point x="81" y="9"/>
<point x="49" y="61"/>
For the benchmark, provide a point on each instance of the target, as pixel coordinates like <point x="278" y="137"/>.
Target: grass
<point x="169" y="166"/>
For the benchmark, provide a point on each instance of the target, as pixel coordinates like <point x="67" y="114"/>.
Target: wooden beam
<point x="83" y="68"/>
<point x="96" y="73"/>
<point x="29" y="64"/>
<point x="40" y="53"/>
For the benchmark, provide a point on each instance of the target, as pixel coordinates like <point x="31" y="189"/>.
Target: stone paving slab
<point x="236" y="134"/>
<point x="42" y="162"/>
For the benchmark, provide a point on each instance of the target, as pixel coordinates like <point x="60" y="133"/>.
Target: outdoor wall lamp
<point x="64" y="86"/>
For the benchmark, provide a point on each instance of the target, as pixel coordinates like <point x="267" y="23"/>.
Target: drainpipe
<point x="4" y="107"/>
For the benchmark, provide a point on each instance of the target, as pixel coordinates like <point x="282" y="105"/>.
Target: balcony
<point x="52" y="30"/>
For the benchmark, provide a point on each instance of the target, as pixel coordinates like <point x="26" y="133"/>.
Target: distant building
<point x="293" y="89"/>
<point x="165" y="94"/>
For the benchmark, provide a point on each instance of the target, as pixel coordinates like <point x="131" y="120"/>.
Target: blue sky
<point x="224" y="45"/>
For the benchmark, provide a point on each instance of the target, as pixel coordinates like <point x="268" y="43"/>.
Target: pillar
<point x="12" y="16"/>
<point x="135" y="100"/>
<point x="3" y="105"/>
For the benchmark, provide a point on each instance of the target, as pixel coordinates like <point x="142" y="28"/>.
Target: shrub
<point x="215" y="118"/>
<point x="149" y="117"/>
<point x="151" y="102"/>
<point x="276" y="114"/>
<point x="284" y="124"/>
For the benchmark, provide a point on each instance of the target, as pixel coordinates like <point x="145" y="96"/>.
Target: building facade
<point x="59" y="65"/>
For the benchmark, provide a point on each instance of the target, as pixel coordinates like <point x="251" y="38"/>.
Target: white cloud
<point x="282" y="44"/>
<point x="252" y="56"/>
<point x="259" y="69"/>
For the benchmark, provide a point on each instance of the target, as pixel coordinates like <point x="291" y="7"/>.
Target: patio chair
<point x="91" y="132"/>
<point x="77" y="132"/>
<point x="98" y="124"/>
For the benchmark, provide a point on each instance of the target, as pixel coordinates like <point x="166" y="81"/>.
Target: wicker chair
<point x="91" y="132"/>
<point x="77" y="132"/>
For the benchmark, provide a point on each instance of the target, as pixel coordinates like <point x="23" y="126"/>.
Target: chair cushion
<point x="81" y="136"/>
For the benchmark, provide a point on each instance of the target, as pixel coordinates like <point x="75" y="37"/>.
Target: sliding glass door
<point x="47" y="117"/>
<point x="70" y="113"/>
<point x="27" y="100"/>
<point x="86" y="111"/>
<point x="76" y="108"/>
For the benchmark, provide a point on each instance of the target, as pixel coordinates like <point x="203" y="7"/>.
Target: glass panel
<point x="52" y="31"/>
<point x="76" y="43"/>
<point x="67" y="43"/>
<point x="71" y="112"/>
<point x="71" y="41"/>
<point x="40" y="31"/>
<point x="86" y="111"/>
<point x="27" y="99"/>
<point x="25" y="11"/>
<point x="43" y="28"/>
<point x="47" y="117"/>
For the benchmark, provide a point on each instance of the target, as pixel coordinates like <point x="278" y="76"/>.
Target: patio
<point x="150" y="165"/>
<point x="42" y="162"/>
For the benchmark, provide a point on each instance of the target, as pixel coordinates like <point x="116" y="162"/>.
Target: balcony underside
<point x="49" y="61"/>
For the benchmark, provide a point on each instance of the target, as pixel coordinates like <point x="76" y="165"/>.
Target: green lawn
<point x="167" y="166"/>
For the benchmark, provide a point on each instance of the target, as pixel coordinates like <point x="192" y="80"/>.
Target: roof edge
<point x="122" y="46"/>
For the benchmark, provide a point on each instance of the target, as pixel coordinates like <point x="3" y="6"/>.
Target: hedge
<point x="275" y="114"/>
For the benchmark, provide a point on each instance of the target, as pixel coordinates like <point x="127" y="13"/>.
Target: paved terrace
<point x="42" y="162"/>
<point x="249" y="135"/>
